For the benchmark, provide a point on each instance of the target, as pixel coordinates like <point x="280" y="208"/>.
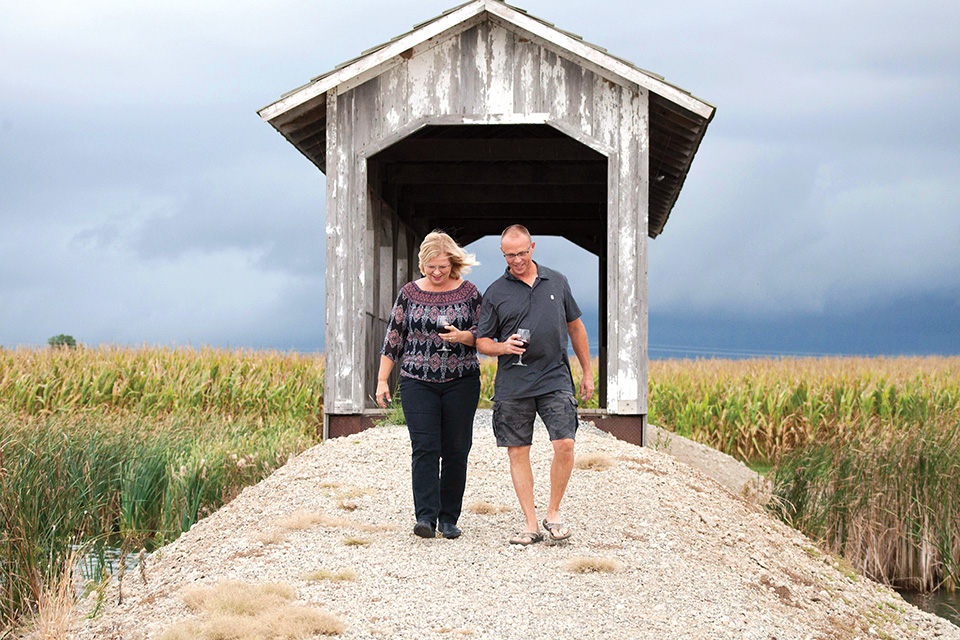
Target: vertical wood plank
<point x="394" y="103"/>
<point x="468" y="95"/>
<point x="332" y="351"/>
<point x="366" y="104"/>
<point x="606" y="126"/>
<point x="480" y="103"/>
<point x="572" y="96"/>
<point x="499" y="71"/>
<point x="373" y="295"/>
<point x="526" y="84"/>
<point x="614" y="315"/>
<point x="580" y="97"/>
<point x="640" y="107"/>
<point x="345" y="218"/>
<point x="548" y="82"/>
<point x="348" y="244"/>
<point x="446" y="74"/>
<point x="419" y="91"/>
<point x="386" y="257"/>
<point x="628" y="243"/>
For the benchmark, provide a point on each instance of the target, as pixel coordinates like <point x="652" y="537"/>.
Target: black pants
<point x="440" y="420"/>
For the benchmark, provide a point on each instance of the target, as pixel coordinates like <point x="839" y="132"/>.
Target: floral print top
<point x="412" y="333"/>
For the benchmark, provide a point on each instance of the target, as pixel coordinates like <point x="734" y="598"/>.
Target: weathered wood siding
<point x="485" y="74"/>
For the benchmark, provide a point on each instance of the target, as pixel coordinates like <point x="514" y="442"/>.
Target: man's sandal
<point x="556" y="526"/>
<point x="526" y="538"/>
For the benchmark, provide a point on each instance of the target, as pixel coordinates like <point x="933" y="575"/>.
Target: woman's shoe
<point x="449" y="530"/>
<point x="424" y="529"/>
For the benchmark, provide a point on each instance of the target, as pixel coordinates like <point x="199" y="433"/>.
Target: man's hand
<point x="512" y="345"/>
<point x="490" y="347"/>
<point x="586" y="386"/>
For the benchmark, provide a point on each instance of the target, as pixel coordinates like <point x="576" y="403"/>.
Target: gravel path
<point x="691" y="559"/>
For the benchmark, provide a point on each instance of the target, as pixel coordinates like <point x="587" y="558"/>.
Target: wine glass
<point x="524" y="342"/>
<point x="442" y="321"/>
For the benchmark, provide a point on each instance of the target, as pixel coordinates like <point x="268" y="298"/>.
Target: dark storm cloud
<point x="922" y="324"/>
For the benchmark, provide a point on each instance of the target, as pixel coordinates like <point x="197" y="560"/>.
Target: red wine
<point x="525" y="344"/>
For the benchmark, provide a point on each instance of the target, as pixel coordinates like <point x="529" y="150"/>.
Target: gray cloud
<point x="142" y="199"/>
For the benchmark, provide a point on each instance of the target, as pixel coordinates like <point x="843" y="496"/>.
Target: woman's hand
<point x="452" y="334"/>
<point x="383" y="393"/>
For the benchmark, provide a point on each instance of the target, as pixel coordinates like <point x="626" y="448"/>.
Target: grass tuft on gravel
<point x="583" y="564"/>
<point x="344" y="575"/>
<point x="487" y="508"/>
<point x="594" y="462"/>
<point x="237" y="610"/>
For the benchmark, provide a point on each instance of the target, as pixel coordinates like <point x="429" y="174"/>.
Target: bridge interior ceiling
<point x="474" y="180"/>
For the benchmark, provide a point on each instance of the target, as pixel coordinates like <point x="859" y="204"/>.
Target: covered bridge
<point x="476" y="119"/>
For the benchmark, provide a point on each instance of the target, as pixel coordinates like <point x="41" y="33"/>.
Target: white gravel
<point x="694" y="559"/>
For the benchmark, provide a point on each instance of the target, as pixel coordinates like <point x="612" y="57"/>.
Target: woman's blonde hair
<point x="438" y="242"/>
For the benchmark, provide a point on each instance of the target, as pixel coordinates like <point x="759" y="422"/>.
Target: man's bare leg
<point x="560" y="470"/>
<point x="522" y="475"/>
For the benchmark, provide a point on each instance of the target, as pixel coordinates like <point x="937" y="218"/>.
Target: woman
<point x="439" y="378"/>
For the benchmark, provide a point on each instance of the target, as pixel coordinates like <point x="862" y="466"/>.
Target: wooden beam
<point x="509" y="212"/>
<point x="494" y="225"/>
<point x="487" y="150"/>
<point x="458" y="194"/>
<point x="500" y="173"/>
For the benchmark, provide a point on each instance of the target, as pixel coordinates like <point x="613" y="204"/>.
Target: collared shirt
<point x="545" y="309"/>
<point x="412" y="333"/>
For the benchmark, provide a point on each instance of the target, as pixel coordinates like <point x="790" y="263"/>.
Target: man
<point x="531" y="296"/>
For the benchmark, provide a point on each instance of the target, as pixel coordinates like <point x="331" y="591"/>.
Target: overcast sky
<point x="143" y="201"/>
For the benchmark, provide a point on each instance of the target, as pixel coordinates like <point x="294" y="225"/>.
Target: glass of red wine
<point x="442" y="322"/>
<point x="524" y="342"/>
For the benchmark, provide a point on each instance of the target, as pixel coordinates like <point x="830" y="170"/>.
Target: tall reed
<point x="119" y="480"/>
<point x="887" y="500"/>
<point x="131" y="446"/>
<point x="865" y="451"/>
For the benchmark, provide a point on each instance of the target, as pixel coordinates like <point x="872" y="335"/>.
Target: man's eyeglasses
<point x="519" y="254"/>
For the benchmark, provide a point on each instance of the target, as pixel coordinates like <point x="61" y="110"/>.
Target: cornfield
<point x="757" y="410"/>
<point x="127" y="447"/>
<point x="156" y="380"/>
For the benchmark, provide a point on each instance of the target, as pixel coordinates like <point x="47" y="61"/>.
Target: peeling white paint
<point x="512" y="80"/>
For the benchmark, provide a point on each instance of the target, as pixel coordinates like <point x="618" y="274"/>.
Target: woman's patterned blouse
<point x="412" y="332"/>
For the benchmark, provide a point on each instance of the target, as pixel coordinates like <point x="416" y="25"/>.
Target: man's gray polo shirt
<point x="545" y="309"/>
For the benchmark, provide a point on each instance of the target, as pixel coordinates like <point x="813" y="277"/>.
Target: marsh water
<point x="944" y="604"/>
<point x="90" y="568"/>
